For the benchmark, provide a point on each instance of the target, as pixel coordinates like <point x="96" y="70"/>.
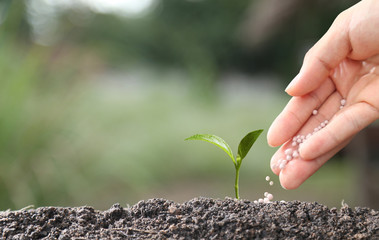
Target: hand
<point x="343" y="64"/>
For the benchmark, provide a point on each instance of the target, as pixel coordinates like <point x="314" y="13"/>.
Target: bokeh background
<point x="97" y="97"/>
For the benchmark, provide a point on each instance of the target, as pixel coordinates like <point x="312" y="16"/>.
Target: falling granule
<point x="271" y="183"/>
<point x="267" y="178"/>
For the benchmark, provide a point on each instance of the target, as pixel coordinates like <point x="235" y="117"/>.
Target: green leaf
<point x="219" y="142"/>
<point x="246" y="143"/>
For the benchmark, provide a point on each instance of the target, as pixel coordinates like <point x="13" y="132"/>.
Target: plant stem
<point x="236" y="181"/>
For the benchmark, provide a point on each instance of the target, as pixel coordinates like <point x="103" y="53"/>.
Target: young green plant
<point x="243" y="148"/>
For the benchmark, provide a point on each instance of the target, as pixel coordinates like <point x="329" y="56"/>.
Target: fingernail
<point x="283" y="187"/>
<point x="269" y="136"/>
<point x="281" y="181"/>
<point x="292" y="82"/>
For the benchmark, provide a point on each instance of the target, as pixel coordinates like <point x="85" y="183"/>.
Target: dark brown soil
<point x="199" y="218"/>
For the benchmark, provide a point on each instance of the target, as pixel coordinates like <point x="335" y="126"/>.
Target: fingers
<point x="328" y="73"/>
<point x="299" y="170"/>
<point x="323" y="57"/>
<point x="361" y="110"/>
<point x="313" y="125"/>
<point x="343" y="126"/>
<point x="296" y="113"/>
<point x="312" y="85"/>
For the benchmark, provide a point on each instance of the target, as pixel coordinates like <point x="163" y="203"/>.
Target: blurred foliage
<point x="100" y="114"/>
<point x="176" y="34"/>
<point x="205" y="36"/>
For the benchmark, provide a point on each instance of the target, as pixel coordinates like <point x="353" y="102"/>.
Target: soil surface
<point x="199" y="218"/>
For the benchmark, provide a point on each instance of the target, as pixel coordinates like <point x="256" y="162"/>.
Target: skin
<point x="343" y="64"/>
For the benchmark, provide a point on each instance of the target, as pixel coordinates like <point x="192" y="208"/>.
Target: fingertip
<point x="298" y="86"/>
<point x="275" y="170"/>
<point x="282" y="182"/>
<point x="276" y="136"/>
<point x="273" y="165"/>
<point x="271" y="143"/>
<point x="305" y="153"/>
<point x="286" y="182"/>
<point x="291" y="92"/>
<point x="271" y="138"/>
<point x="291" y="88"/>
<point x="295" y="173"/>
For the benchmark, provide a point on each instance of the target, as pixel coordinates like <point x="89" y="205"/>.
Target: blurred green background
<point x="97" y="97"/>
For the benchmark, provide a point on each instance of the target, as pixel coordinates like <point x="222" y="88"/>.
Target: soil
<point x="199" y="218"/>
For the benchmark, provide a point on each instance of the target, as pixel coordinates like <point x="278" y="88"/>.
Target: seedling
<point x="243" y="148"/>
